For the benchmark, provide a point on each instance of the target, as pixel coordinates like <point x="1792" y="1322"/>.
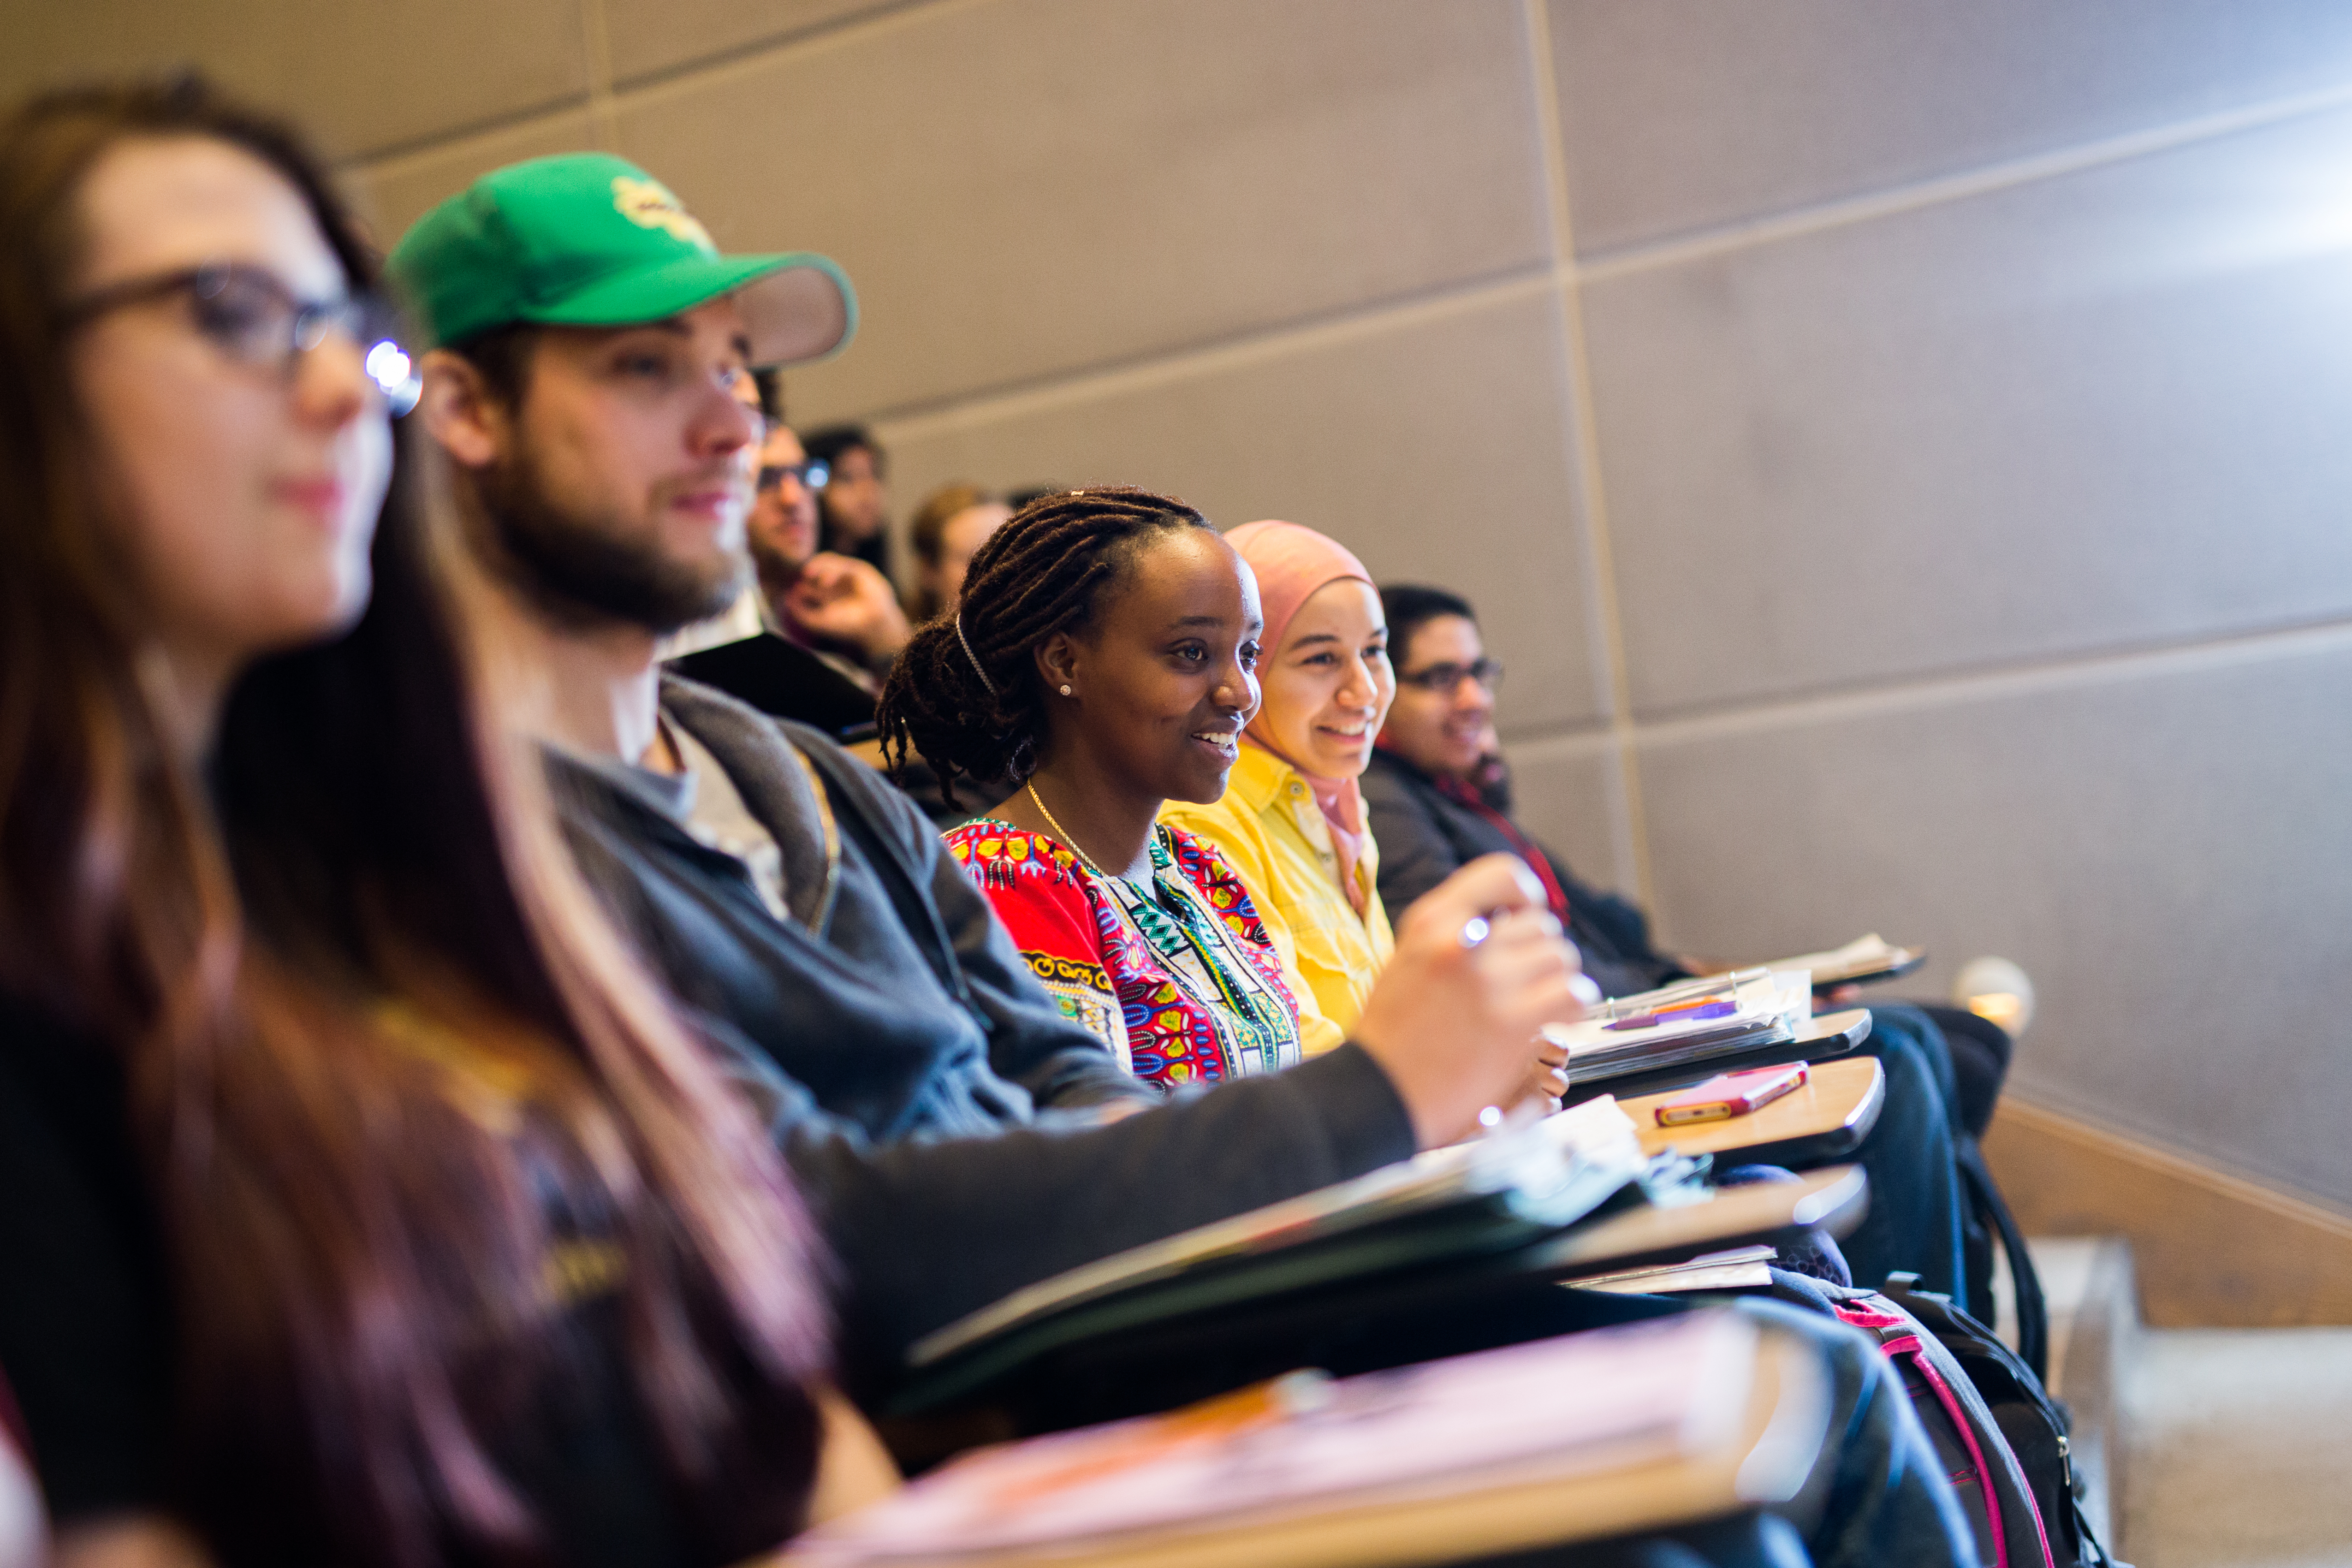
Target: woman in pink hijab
<point x="1292" y="821"/>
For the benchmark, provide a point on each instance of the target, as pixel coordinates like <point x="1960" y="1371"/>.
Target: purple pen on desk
<point x="1677" y="1015"/>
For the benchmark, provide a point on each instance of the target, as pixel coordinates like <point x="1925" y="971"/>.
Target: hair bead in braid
<point x="965" y="692"/>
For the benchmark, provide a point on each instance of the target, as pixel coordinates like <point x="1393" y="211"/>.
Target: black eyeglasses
<point x="1446" y="679"/>
<point x="811" y="475"/>
<point x="255" y="319"/>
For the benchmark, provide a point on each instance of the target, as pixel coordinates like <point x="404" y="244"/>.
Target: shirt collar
<point x="1260" y="778"/>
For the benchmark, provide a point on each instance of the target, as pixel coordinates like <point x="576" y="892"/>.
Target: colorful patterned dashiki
<point x="1181" y="981"/>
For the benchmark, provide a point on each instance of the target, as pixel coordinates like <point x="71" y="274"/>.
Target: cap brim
<point x="796" y="307"/>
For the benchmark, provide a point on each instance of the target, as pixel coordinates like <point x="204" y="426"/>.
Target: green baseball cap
<point x="584" y="239"/>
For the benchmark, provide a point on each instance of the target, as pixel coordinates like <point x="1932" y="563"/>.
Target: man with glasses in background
<point x="813" y="632"/>
<point x="1440" y="796"/>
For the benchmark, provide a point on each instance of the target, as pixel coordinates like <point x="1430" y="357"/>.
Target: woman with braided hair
<point x="1101" y="664"/>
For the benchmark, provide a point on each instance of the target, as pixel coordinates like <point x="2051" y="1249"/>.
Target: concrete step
<point x="2198" y="1447"/>
<point x="2238" y="1448"/>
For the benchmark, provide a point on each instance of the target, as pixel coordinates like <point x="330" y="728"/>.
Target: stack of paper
<point x="1694" y="1021"/>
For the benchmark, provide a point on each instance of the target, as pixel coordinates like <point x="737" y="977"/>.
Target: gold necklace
<point x="1064" y="834"/>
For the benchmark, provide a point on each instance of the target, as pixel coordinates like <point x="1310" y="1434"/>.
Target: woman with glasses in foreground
<point x="359" y="1203"/>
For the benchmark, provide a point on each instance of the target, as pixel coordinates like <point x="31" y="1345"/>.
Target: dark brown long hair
<point x="402" y="1098"/>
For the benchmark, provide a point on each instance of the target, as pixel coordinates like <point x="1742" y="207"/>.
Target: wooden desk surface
<point x="1839" y="1102"/>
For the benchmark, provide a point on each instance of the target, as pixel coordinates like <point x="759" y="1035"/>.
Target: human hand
<point x="1450" y="1024"/>
<point x="844" y="599"/>
<point x="1836" y="998"/>
<point x="1547" y="1077"/>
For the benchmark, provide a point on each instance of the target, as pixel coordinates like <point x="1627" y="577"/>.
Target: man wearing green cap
<point x="587" y="335"/>
<point x="957" y="1137"/>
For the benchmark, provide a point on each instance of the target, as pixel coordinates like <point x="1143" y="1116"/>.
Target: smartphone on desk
<point x="1730" y="1094"/>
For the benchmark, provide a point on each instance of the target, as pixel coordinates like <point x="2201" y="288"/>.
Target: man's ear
<point x="457" y="408"/>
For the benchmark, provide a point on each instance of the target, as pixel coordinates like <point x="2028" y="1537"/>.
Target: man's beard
<point x="583" y="569"/>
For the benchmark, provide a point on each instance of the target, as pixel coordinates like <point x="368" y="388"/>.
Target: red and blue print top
<point x="1179" y="980"/>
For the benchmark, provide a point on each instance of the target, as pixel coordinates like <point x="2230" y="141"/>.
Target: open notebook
<point x="1574" y="1439"/>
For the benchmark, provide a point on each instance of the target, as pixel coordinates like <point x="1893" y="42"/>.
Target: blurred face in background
<point x="243" y="478"/>
<point x="783" y="528"/>
<point x="960" y="537"/>
<point x="855" y="495"/>
<point x="1329" y="686"/>
<point x="1443" y="721"/>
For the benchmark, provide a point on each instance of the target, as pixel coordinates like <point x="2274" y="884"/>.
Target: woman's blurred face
<point x="1329" y="686"/>
<point x="1444" y="720"/>
<point x="960" y="537"/>
<point x="245" y="493"/>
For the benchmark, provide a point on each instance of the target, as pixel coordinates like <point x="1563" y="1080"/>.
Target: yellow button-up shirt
<point x="1273" y="835"/>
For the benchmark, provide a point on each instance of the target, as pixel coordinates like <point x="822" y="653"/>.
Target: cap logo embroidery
<point x="648" y="205"/>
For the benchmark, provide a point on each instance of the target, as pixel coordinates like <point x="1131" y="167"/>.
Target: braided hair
<point x="965" y="693"/>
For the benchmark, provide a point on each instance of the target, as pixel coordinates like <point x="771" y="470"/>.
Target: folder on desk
<point x="1575" y="1439"/>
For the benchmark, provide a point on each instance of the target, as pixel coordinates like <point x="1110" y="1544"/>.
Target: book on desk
<point x="1576" y="1438"/>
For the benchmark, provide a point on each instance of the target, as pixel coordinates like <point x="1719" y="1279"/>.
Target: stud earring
<point x="1066" y="688"/>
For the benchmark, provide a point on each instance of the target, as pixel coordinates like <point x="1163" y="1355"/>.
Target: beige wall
<point x="1898" y="446"/>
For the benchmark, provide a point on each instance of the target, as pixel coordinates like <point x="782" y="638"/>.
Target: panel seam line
<point x="1584" y="449"/>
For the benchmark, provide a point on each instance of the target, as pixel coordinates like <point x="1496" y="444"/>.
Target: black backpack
<point x="2003" y="1440"/>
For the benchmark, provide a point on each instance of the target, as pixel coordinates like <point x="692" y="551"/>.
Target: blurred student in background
<point x="837" y="605"/>
<point x="852" y="482"/>
<point x="806" y="635"/>
<point x="360" y="1202"/>
<point x="1439" y="794"/>
<point x="947" y="530"/>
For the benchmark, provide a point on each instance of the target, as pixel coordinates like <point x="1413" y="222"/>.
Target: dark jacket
<point x="1425" y="836"/>
<point x="902" y="1054"/>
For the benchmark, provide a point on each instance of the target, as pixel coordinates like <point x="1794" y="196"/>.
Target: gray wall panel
<point x="1570" y="796"/>
<point x="2163" y="849"/>
<point x="651" y="36"/>
<point x="2093" y="412"/>
<point x="398" y="192"/>
<point x="1682" y="114"/>
<point x="1435" y="450"/>
<point x="361" y="75"/>
<point x="1025" y="189"/>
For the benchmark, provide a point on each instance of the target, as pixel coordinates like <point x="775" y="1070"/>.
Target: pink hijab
<point x="1291" y="564"/>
